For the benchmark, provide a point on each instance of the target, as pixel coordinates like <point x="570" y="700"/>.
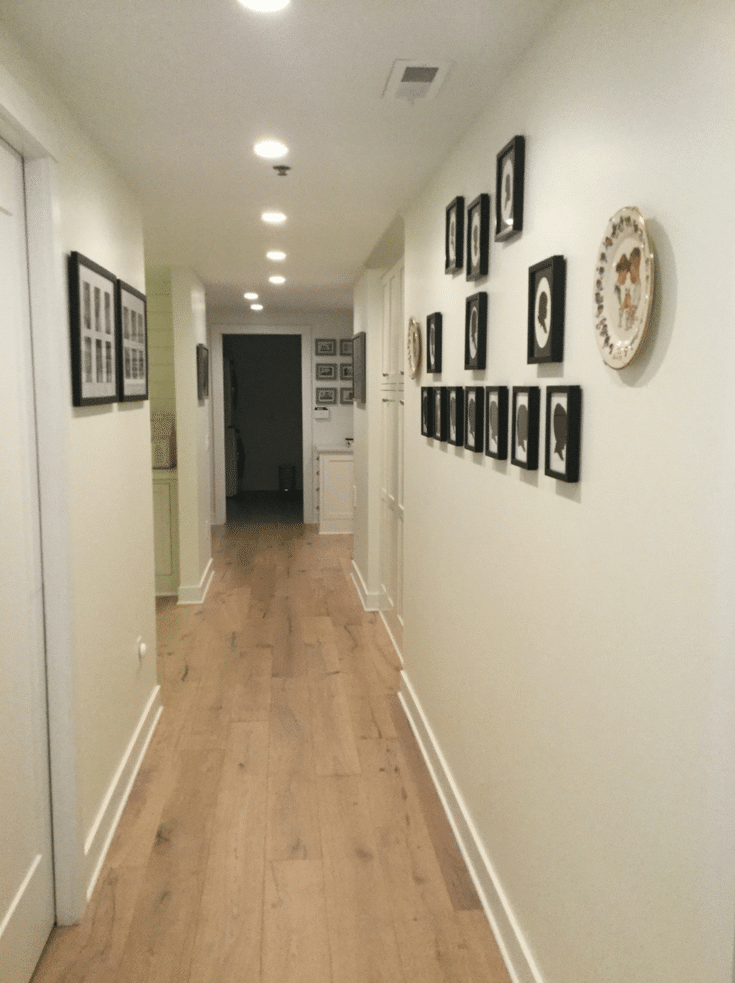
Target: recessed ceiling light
<point x="277" y="279"/>
<point x="250" y="296"/>
<point x="275" y="218"/>
<point x="270" y="149"/>
<point x="275" y="254"/>
<point x="265" y="6"/>
<point x="256" y="307"/>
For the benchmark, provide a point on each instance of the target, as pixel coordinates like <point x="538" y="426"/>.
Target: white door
<point x="26" y="878"/>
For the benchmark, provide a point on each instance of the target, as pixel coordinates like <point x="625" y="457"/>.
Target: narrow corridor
<point x="283" y="827"/>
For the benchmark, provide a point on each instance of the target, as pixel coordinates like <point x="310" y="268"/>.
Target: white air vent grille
<point x="413" y="80"/>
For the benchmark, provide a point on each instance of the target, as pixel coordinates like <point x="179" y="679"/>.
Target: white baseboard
<point x="369" y="601"/>
<point x="515" y="950"/>
<point x="396" y="646"/>
<point x="103" y="829"/>
<point x="195" y="594"/>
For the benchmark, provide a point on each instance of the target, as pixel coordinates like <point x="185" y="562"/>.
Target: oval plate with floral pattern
<point x="413" y="347"/>
<point x="623" y="290"/>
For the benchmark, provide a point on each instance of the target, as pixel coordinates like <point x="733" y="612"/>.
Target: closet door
<point x="26" y="879"/>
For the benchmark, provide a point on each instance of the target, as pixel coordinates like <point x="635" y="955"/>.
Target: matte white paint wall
<point x="572" y="646"/>
<point x="103" y="488"/>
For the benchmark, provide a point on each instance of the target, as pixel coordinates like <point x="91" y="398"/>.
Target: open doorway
<point x="263" y="419"/>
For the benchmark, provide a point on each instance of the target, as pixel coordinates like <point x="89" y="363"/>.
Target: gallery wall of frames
<point x="505" y="422"/>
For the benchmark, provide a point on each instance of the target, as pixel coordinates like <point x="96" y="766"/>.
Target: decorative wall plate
<point x="413" y="347"/>
<point x="623" y="287"/>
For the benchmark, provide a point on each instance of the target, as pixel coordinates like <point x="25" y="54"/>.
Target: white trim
<point x="218" y="413"/>
<point x="196" y="593"/>
<point x="513" y="946"/>
<point x="103" y="829"/>
<point x="370" y="602"/>
<point x="392" y="636"/>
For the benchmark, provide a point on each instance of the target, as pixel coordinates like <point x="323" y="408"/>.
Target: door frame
<point x="52" y="389"/>
<point x="219" y="510"/>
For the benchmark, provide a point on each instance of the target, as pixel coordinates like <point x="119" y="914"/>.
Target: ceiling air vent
<point x="414" y="80"/>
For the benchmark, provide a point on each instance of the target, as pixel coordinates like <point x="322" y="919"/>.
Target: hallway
<point x="283" y="826"/>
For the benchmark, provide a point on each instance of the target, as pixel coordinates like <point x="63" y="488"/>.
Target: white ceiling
<point x="178" y="91"/>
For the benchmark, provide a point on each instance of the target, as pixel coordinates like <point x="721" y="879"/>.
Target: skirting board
<point x="196" y="594"/>
<point x="370" y="602"/>
<point x="103" y="829"/>
<point x="516" y="952"/>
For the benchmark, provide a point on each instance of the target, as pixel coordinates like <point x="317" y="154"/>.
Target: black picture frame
<point x="359" y="382"/>
<point x="345" y="347"/>
<point x="326" y="396"/>
<point x="202" y="372"/>
<point x="563" y="432"/>
<point x="345" y="371"/>
<point x="478" y="237"/>
<point x="496" y="422"/>
<point x="93" y="327"/>
<point x="346" y="396"/>
<point x="475" y="331"/>
<point x="509" y="179"/>
<point x="132" y="342"/>
<point x="427" y="411"/>
<point x="325" y="370"/>
<point x="454" y="236"/>
<point x="525" y="427"/>
<point x="455" y="415"/>
<point x="434" y="343"/>
<point x="440" y="413"/>
<point x="546" y="299"/>
<point x="325" y="347"/>
<point x="474" y="418"/>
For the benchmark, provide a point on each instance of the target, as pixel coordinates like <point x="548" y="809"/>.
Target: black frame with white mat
<point x="509" y="174"/>
<point x="94" y="329"/>
<point x="474" y="418"/>
<point x="475" y="331"/>
<point x="478" y="237"/>
<point x="454" y="236"/>
<point x="525" y="428"/>
<point x="496" y="422"/>
<point x="546" y="297"/>
<point x="455" y="415"/>
<point x="563" y="430"/>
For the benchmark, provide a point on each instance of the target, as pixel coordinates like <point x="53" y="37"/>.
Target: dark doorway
<point x="263" y="428"/>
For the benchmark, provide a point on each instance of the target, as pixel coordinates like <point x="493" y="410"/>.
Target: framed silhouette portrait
<point x="526" y="405"/>
<point x="454" y="236"/>
<point x="509" y="170"/>
<point x="427" y="411"/>
<point x="474" y="416"/>
<point x="440" y="413"/>
<point x="478" y="237"/>
<point x="496" y="422"/>
<point x="434" y="343"/>
<point x="546" y="298"/>
<point x="475" y="331"/>
<point x="455" y="415"/>
<point x="563" y="429"/>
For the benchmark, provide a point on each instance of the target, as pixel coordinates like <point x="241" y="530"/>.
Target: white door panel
<point x="26" y="880"/>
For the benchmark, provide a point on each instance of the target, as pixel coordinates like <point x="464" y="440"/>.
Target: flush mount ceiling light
<point x="270" y="149"/>
<point x="265" y="6"/>
<point x="256" y="307"/>
<point x="250" y="296"/>
<point x="275" y="218"/>
<point x="277" y="279"/>
<point x="275" y="254"/>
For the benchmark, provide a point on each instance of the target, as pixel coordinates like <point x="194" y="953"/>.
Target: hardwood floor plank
<point x="160" y="942"/>
<point x="293" y="818"/>
<point x="291" y="746"/>
<point x="335" y="752"/>
<point x="227" y="944"/>
<point x="415" y="882"/>
<point x="295" y="934"/>
<point x="361" y="932"/>
<point x="435" y="951"/>
<point x="456" y="876"/>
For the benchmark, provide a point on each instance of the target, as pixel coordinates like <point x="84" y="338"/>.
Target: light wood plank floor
<point x="283" y="827"/>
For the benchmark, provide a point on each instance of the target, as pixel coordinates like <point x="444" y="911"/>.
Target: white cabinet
<point x="166" y="531"/>
<point x="335" y="483"/>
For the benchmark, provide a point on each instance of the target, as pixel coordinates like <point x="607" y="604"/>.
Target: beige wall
<point x="572" y="646"/>
<point x="98" y="505"/>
